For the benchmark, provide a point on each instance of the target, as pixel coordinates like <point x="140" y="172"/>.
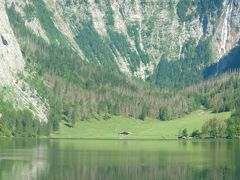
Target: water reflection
<point x="22" y="159"/>
<point x="119" y="160"/>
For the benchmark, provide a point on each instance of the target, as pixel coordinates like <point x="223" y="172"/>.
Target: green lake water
<point x="118" y="159"/>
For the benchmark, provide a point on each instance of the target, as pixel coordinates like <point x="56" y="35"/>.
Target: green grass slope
<point x="148" y="129"/>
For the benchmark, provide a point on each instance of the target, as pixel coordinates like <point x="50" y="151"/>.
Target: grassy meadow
<point x="148" y="129"/>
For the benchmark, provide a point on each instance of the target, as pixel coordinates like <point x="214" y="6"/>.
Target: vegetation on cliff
<point x="78" y="90"/>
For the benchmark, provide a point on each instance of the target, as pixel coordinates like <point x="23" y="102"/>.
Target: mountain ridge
<point x="147" y="30"/>
<point x="82" y="58"/>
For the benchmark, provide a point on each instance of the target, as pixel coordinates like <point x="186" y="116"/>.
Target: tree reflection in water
<point x="123" y="160"/>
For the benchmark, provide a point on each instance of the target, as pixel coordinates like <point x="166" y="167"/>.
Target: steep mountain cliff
<point x="133" y="36"/>
<point x="71" y="59"/>
<point x="12" y="61"/>
<point x="12" y="65"/>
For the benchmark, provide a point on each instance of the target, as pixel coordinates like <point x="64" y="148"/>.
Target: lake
<point x="118" y="159"/>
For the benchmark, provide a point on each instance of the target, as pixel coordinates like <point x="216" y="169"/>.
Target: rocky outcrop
<point x="11" y="59"/>
<point x="150" y="28"/>
<point x="156" y="27"/>
<point x="36" y="28"/>
<point x="136" y="34"/>
<point x="228" y="29"/>
<point x="12" y="63"/>
<point x="145" y="28"/>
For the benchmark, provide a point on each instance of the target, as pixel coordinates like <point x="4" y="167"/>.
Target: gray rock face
<point x="148" y="27"/>
<point x="152" y="26"/>
<point x="11" y="59"/>
<point x="135" y="34"/>
<point x="228" y="29"/>
<point x="146" y="30"/>
<point x="12" y="63"/>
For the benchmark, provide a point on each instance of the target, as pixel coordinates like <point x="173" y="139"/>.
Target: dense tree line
<point x="77" y="90"/>
<point x="186" y="9"/>
<point x="183" y="7"/>
<point x="220" y="94"/>
<point x="186" y="71"/>
<point x="196" y="60"/>
<point x="19" y="123"/>
<point x="206" y="7"/>
<point x="233" y="125"/>
<point x="216" y="128"/>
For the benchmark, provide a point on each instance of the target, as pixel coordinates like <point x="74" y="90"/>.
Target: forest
<point x="188" y="70"/>
<point x="78" y="90"/>
<point x="204" y="8"/>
